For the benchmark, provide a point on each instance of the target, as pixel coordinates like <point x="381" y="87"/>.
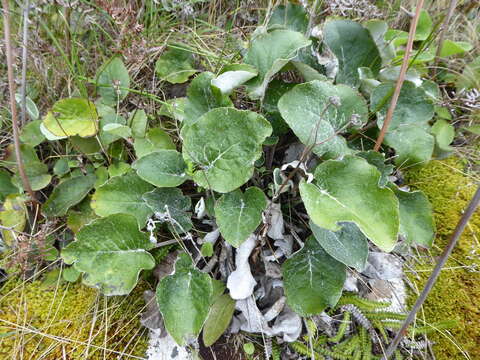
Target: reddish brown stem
<point x="401" y="76"/>
<point x="13" y="105"/>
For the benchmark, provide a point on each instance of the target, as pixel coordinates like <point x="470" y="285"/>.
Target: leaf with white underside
<point x="347" y="191"/>
<point x="233" y="76"/>
<point x="172" y="206"/>
<point x="417" y="224"/>
<point x="162" y="168"/>
<point x="123" y="194"/>
<point x="110" y="252"/>
<point x="269" y="53"/>
<point x="308" y="111"/>
<point x="347" y="245"/>
<point x="224" y="163"/>
<point x="409" y="130"/>
<point x="184" y="299"/>
<point x="73" y="116"/>
<point x="238" y="214"/>
<point x="70" y="192"/>
<point x="354" y="47"/>
<point x="313" y="280"/>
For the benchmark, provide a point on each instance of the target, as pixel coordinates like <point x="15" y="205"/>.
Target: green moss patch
<point x="456" y="294"/>
<point x="69" y="321"/>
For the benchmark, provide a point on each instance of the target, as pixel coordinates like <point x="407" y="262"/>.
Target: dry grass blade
<point x="13" y="106"/>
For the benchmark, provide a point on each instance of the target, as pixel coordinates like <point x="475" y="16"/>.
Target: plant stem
<point x="401" y="76"/>
<point x="436" y="272"/>
<point x="23" y="89"/>
<point x="13" y="106"/>
<point x="443" y="31"/>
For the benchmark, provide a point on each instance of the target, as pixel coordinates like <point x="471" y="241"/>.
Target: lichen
<point x="69" y="321"/>
<point x="456" y="294"/>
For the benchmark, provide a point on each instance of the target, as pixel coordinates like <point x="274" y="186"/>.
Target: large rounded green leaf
<point x="175" y="65"/>
<point x="68" y="193"/>
<point x="312" y="279"/>
<point x="111" y="252"/>
<point x="123" y="194"/>
<point x="170" y="205"/>
<point x="291" y="17"/>
<point x="223" y="145"/>
<point x="310" y="112"/>
<point x="269" y="53"/>
<point x="184" y="299"/>
<point x="408" y="132"/>
<point x="354" y="47"/>
<point x="238" y="214"/>
<point x="155" y="139"/>
<point x="202" y="97"/>
<point x="162" y="168"/>
<point x="113" y="81"/>
<point x="73" y="116"/>
<point x="348" y="191"/>
<point x="417" y="225"/>
<point x="347" y="245"/>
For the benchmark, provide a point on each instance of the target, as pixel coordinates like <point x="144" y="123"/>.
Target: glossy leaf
<point x="347" y="245"/>
<point x="239" y="214"/>
<point x="184" y="299"/>
<point x="113" y="81"/>
<point x="110" y="252"/>
<point x="123" y="194"/>
<point x="269" y="53"/>
<point x="310" y="113"/>
<point x="347" y="191"/>
<point x="224" y="163"/>
<point x="73" y="116"/>
<point x="312" y="279"/>
<point x="354" y="47"/>
<point x="67" y="194"/>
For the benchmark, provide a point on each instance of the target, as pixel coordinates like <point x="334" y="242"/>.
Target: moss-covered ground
<point x="456" y="294"/>
<point x="69" y="321"/>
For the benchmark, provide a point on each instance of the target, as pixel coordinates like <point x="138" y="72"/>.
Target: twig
<point x="436" y="272"/>
<point x="443" y="32"/>
<point x="13" y="106"/>
<point x="23" y="89"/>
<point x="401" y="76"/>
